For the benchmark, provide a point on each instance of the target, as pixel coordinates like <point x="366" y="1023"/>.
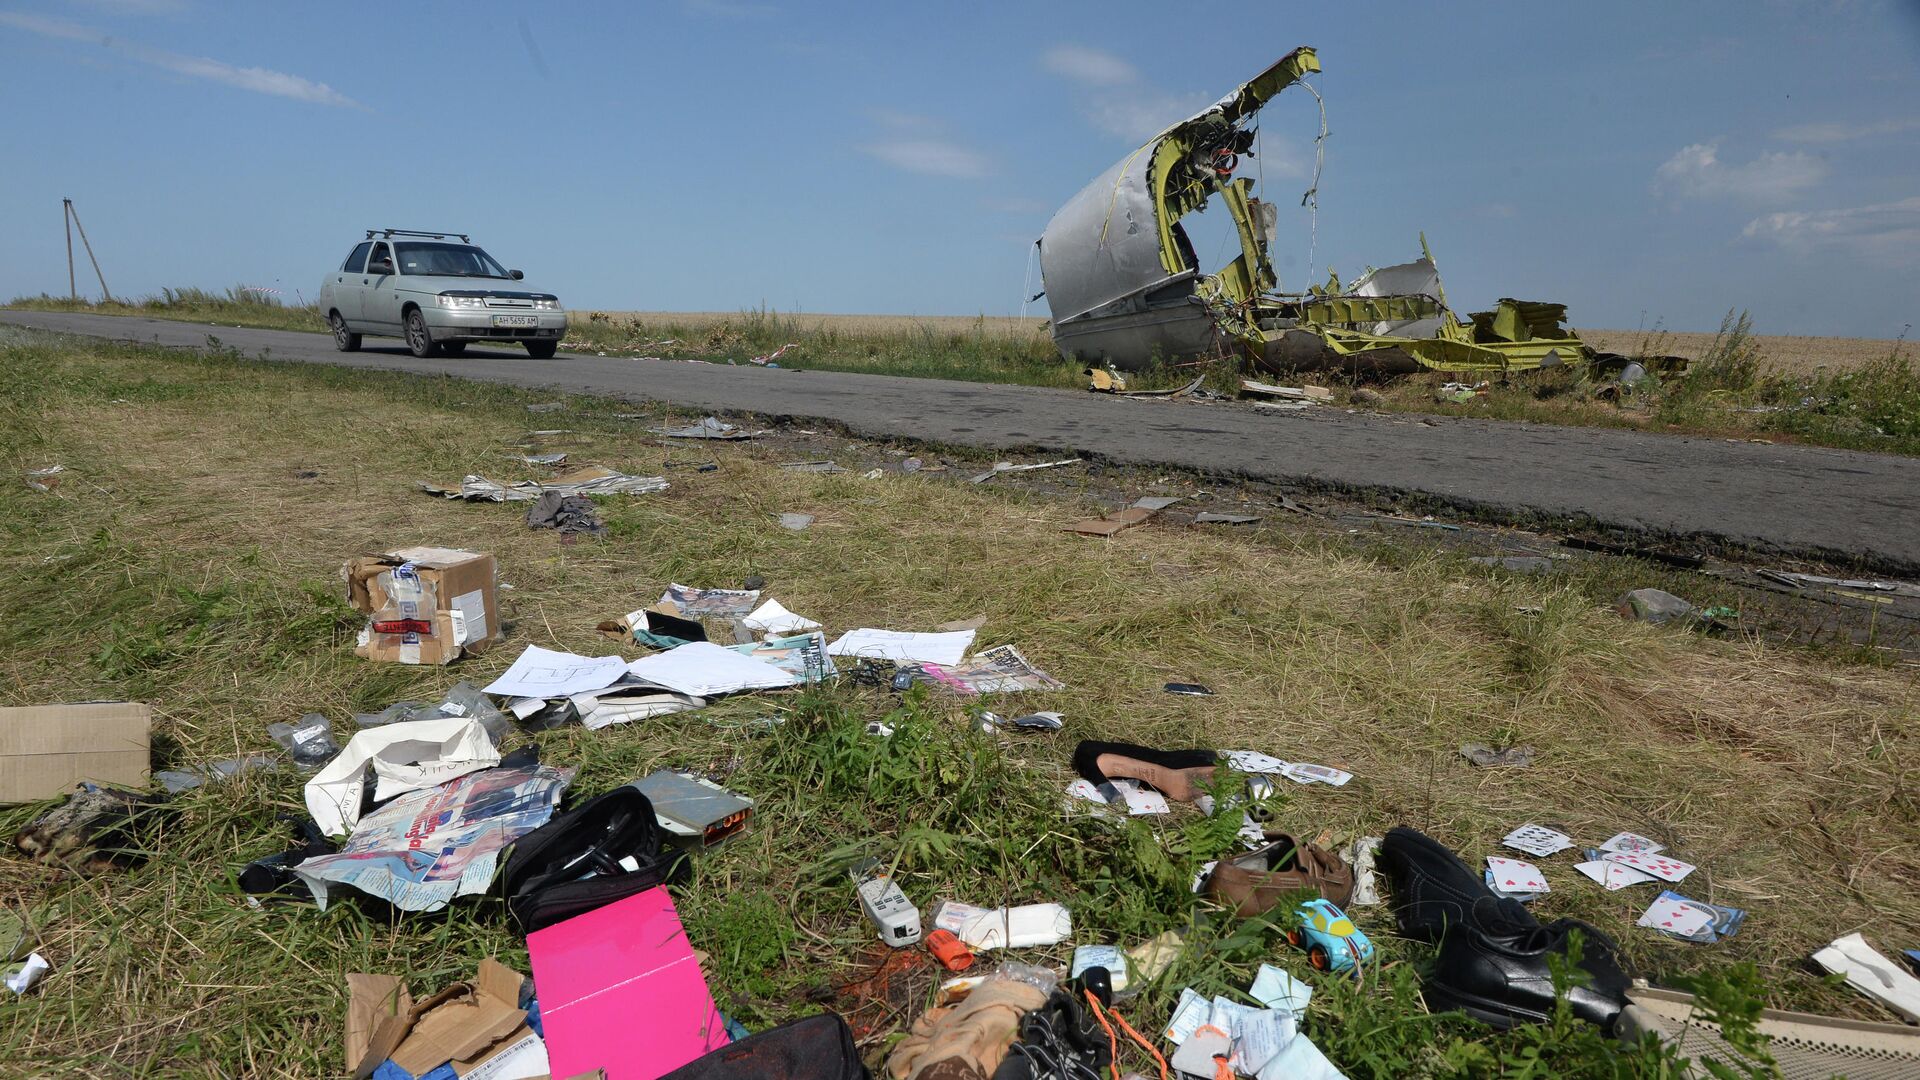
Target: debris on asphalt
<point x="1653" y="606"/>
<point x="1311" y="395"/>
<point x="46" y="749"/>
<point x="1004" y="467"/>
<point x="1105" y="380"/>
<point x="587" y="480"/>
<point x="1485" y="756"/>
<point x="767" y="360"/>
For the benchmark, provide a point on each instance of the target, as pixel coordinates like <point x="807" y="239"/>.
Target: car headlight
<point x="461" y="301"/>
<point x="546" y="305"/>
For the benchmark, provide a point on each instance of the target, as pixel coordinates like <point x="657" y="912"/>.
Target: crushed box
<point x="467" y="1024"/>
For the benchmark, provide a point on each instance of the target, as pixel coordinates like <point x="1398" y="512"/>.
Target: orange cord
<point x="1114" y="1040"/>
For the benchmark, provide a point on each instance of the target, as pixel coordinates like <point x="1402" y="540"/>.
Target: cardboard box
<point x="468" y="1024"/>
<point x="460" y="616"/>
<point x="46" y="749"/>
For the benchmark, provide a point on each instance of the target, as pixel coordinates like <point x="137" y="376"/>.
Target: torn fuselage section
<point x="1126" y="290"/>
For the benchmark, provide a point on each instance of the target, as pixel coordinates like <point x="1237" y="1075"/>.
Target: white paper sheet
<point x="1191" y="1012"/>
<point x="1872" y="974"/>
<point x="1261" y="1035"/>
<point x="1005" y="928"/>
<point x="1276" y="989"/>
<point x="703" y="669"/>
<point x="1300" y="1060"/>
<point x="773" y="617"/>
<point x="406" y="756"/>
<point x="547" y="673"/>
<point x="946" y="649"/>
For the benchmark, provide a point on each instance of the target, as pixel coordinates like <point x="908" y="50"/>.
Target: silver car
<point x="438" y="291"/>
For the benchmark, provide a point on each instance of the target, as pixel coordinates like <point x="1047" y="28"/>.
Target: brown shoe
<point x="1253" y="883"/>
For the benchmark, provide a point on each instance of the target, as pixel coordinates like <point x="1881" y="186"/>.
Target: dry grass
<point x="1788" y="780"/>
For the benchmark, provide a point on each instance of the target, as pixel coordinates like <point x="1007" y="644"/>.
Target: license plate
<point x="515" y="320"/>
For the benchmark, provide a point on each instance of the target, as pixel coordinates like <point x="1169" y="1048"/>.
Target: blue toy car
<point x="1333" y="942"/>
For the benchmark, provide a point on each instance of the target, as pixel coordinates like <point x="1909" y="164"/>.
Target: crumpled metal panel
<point x="1417" y="278"/>
<point x="1103" y="244"/>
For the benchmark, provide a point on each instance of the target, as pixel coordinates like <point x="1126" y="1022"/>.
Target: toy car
<point x="1333" y="942"/>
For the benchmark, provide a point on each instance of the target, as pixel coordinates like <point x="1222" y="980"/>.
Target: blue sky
<point x="1643" y="163"/>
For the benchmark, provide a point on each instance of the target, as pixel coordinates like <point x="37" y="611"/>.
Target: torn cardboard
<point x="1135" y="515"/>
<point x="466" y="1025"/>
<point x="47" y="749"/>
<point x="458" y="612"/>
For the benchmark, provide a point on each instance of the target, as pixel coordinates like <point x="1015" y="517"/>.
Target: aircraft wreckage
<point x="1125" y="287"/>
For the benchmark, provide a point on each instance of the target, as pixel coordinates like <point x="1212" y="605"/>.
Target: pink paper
<point x="621" y="990"/>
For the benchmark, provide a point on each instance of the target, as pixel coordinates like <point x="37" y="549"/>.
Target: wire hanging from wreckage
<point x="1311" y="198"/>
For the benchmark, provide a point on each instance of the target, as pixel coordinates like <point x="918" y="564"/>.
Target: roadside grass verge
<point x="190" y="558"/>
<point x="1731" y="389"/>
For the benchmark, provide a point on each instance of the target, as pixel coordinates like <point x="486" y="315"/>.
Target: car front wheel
<point x="542" y="350"/>
<point x="343" y="339"/>
<point x="419" y="338"/>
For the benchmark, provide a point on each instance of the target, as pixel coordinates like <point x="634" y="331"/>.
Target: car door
<point x="348" y="284"/>
<point x="380" y="304"/>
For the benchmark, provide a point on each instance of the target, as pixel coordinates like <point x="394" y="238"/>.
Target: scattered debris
<point x="1105" y="380"/>
<point x="891" y="913"/>
<point x="796" y="522"/>
<point x="1872" y="974"/>
<point x="1311" y="395"/>
<point x="45" y="479"/>
<point x="711" y="427"/>
<point x="1457" y="393"/>
<point x="558" y="457"/>
<point x="547" y="407"/>
<point x="1691" y="920"/>
<point x="999" y="670"/>
<point x="309" y="742"/>
<point x="27" y="974"/>
<point x="480" y="1027"/>
<point x="1136" y="514"/>
<point x="769" y="358"/>
<point x="1670" y="558"/>
<point x="425" y="605"/>
<point x="904" y="646"/>
<point x="1653" y="606"/>
<point x="1209" y="517"/>
<point x="1366" y="395"/>
<point x="405" y="757"/>
<point x="974" y="623"/>
<point x="697" y="812"/>
<point x="177" y="781"/>
<point x="590" y="480"/>
<point x="694" y="603"/>
<point x="1486" y="756"/>
<point x="568" y="514"/>
<point x="813" y="466"/>
<point x="1190" y="689"/>
<point x="1897" y="588"/>
<point x="97" y="829"/>
<point x="1009" y="467"/>
<point x="1174" y="392"/>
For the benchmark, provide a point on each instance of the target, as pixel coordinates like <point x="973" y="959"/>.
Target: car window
<point x="380" y="254"/>
<point x="357" y="258"/>
<point x="446" y="260"/>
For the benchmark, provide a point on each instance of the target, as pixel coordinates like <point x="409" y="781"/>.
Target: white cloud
<point x="256" y="79"/>
<point x="1113" y="95"/>
<point x="934" y="157"/>
<point x="1834" y="131"/>
<point x="1886" y="232"/>
<point x="1093" y="67"/>
<point x="1696" y="172"/>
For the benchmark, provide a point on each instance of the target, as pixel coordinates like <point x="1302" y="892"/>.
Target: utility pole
<point x="66" y="219"/>
<point x="74" y="215"/>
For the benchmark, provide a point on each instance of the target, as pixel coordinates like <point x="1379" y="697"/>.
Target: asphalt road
<point x="1833" y="504"/>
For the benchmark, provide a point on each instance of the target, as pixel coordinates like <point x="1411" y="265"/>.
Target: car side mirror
<point x="515" y="275"/>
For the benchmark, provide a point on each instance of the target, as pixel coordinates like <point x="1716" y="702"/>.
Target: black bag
<point x="571" y="864"/>
<point x="817" y="1048"/>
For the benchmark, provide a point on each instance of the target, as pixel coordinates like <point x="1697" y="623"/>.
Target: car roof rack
<point x="391" y="233"/>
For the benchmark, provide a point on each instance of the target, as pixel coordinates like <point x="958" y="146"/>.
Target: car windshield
<point x="447" y="260"/>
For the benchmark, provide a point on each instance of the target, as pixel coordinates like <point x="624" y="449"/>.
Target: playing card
<point x="1722" y="921"/>
<point x="1137" y="798"/>
<point x="1660" y="866"/>
<point x="1494" y="885"/>
<point x="1612" y="874"/>
<point x="1301" y="772"/>
<point x="1252" y="761"/>
<point x="1676" y="915"/>
<point x="1512" y="875"/>
<point x="1538" y="840"/>
<point x="1627" y="841"/>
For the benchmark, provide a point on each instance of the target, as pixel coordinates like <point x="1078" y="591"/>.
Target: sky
<point x="1648" y="164"/>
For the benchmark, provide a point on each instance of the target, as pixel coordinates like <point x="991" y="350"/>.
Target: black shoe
<point x="1504" y="980"/>
<point x="1433" y="890"/>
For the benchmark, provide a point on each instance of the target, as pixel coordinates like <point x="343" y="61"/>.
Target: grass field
<point x="190" y="560"/>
